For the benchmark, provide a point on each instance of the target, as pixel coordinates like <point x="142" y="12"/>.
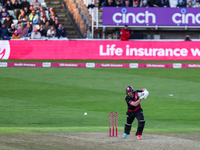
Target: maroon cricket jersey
<point x="129" y="100"/>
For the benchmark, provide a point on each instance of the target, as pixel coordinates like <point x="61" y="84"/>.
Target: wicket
<point x="113" y="121"/>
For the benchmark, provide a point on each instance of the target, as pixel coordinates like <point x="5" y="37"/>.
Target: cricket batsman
<point x="134" y="110"/>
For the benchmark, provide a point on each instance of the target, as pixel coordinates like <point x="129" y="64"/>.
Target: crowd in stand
<point x="149" y="3"/>
<point x="29" y="15"/>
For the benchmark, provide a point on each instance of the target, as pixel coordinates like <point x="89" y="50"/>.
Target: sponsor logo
<point x="3" y="64"/>
<point x="194" y="65"/>
<point x="67" y="65"/>
<point x="46" y="64"/>
<point x="177" y="65"/>
<point x="90" y="65"/>
<point x="155" y="65"/>
<point x="184" y="17"/>
<point x="133" y="65"/>
<point x="24" y="65"/>
<point x="124" y="17"/>
<point x="4" y="49"/>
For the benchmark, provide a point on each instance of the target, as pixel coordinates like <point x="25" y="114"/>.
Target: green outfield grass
<point x="55" y="99"/>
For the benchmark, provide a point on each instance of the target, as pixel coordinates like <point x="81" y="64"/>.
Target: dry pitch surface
<point x="97" y="141"/>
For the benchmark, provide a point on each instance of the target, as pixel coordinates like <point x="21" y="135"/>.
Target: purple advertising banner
<point x="151" y="16"/>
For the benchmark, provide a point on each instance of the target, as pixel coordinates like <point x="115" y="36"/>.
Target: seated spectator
<point x="189" y="4"/>
<point x="60" y="32"/>
<point x="22" y="17"/>
<point x="197" y="5"/>
<point x="165" y="3"/>
<point x="8" y="22"/>
<point x="4" y="32"/>
<point x="187" y="38"/>
<point x="109" y="3"/>
<point x="29" y="26"/>
<point x="156" y="3"/>
<point x="35" y="34"/>
<point x="56" y="23"/>
<point x="137" y="4"/>
<point x="127" y="4"/>
<point x="51" y="32"/>
<point x="193" y="2"/>
<point x="51" y="13"/>
<point x="3" y="2"/>
<point x="42" y="18"/>
<point x="47" y="26"/>
<point x="25" y="4"/>
<point x="52" y="20"/>
<point x="15" y="35"/>
<point x="118" y="3"/>
<point x="27" y="11"/>
<point x="9" y="5"/>
<point x="145" y="4"/>
<point x="33" y="17"/>
<point x="17" y="5"/>
<point x="12" y="29"/>
<point x="42" y="9"/>
<point x="19" y="12"/>
<point x="180" y="3"/>
<point x="35" y="3"/>
<point x="22" y="30"/>
<point x="3" y="13"/>
<point x="42" y="31"/>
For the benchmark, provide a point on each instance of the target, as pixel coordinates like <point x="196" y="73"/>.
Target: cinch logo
<point x="4" y="49"/>
<point x="184" y="18"/>
<point x="140" y="18"/>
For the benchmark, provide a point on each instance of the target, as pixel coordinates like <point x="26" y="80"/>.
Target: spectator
<point x="35" y="3"/>
<point x="43" y="10"/>
<point x="28" y="10"/>
<point x="189" y="4"/>
<point x="145" y="4"/>
<point x="33" y="17"/>
<point x="35" y="34"/>
<point x="8" y="22"/>
<point x="156" y="3"/>
<point x="51" y="32"/>
<point x="17" y="5"/>
<point x="4" y="32"/>
<point x="109" y="3"/>
<point x="19" y="12"/>
<point x="51" y="13"/>
<point x="15" y="35"/>
<point x="3" y="13"/>
<point x="9" y="5"/>
<point x="193" y="2"/>
<point x="137" y="4"/>
<point x="42" y="18"/>
<point x="25" y="4"/>
<point x="56" y="24"/>
<point x="173" y="3"/>
<point x="47" y="26"/>
<point x="22" y="17"/>
<point x="22" y="30"/>
<point x="180" y="3"/>
<point x="187" y="38"/>
<point x="42" y="31"/>
<point x="118" y="3"/>
<point x="125" y="33"/>
<point x="52" y="20"/>
<point x="12" y="29"/>
<point x="165" y="3"/>
<point x="60" y="32"/>
<point x="29" y="26"/>
<point x="127" y="4"/>
<point x="197" y="5"/>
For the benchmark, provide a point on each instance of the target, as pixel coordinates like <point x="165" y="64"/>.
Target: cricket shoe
<point x="139" y="137"/>
<point x="125" y="136"/>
